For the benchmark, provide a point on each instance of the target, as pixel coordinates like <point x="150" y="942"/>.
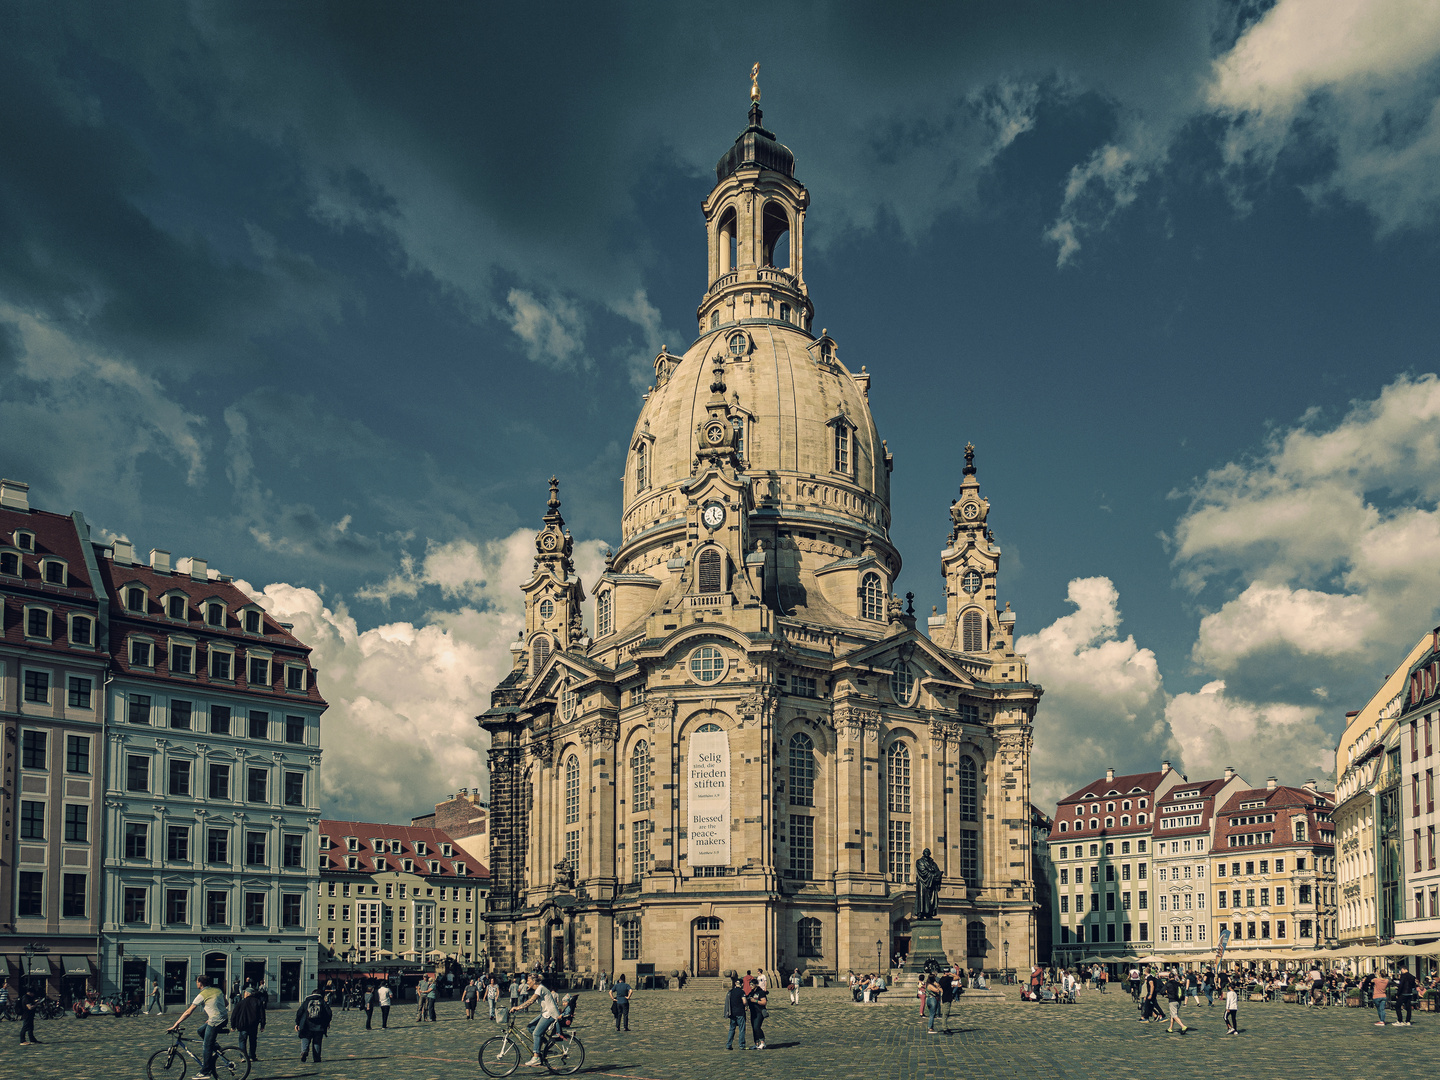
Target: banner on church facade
<point x="709" y="831"/>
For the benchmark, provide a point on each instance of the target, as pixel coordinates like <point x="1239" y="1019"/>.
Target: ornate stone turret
<point x="969" y="565"/>
<point x="553" y="594"/>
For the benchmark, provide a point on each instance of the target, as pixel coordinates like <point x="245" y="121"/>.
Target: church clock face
<point x="715" y="434"/>
<point x="713" y="515"/>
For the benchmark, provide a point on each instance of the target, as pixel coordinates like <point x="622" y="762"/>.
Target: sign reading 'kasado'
<point x="709" y="831"/>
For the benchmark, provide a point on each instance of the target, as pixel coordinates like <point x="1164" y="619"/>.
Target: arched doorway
<point x="900" y="936"/>
<point x="707" y="946"/>
<point x="217" y="967"/>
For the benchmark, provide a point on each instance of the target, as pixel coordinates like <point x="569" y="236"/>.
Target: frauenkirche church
<point x="742" y="765"/>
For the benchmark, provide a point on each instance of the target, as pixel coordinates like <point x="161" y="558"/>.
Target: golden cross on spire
<point x="755" y="83"/>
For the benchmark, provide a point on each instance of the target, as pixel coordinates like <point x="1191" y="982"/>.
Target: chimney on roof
<point x="1109" y="774"/>
<point x="1309" y="785"/>
<point x="1164" y="766"/>
<point x="159" y="561"/>
<point x="198" y="569"/>
<point x="1229" y="773"/>
<point x="1271" y="782"/>
<point x="14" y="495"/>
<point x="122" y="552"/>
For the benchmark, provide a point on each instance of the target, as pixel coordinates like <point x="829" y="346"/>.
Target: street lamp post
<point x="1005" y="946"/>
<point x="878" y="968"/>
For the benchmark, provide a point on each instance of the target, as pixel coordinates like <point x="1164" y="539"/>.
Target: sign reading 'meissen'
<point x="709" y="831"/>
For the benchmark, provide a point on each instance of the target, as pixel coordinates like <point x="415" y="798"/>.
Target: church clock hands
<point x="713" y="515"/>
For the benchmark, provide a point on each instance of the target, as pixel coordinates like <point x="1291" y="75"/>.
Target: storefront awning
<point x="14" y="961"/>
<point x="76" y="965"/>
<point x="37" y="965"/>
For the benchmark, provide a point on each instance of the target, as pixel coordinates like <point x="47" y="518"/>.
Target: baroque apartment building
<point x="1100" y="851"/>
<point x="52" y="672"/>
<point x="399" y="891"/>
<point x="1181" y="844"/>
<point x="1273" y="869"/>
<point x="1418" y="726"/>
<point x="212" y="762"/>
<point x="743" y="763"/>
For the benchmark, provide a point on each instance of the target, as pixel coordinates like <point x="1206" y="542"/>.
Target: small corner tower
<point x="553" y="594"/>
<point x="969" y="564"/>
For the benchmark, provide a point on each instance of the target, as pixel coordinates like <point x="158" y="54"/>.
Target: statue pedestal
<point x="925" y="945"/>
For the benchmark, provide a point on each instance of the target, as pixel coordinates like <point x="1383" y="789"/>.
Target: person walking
<point x="735" y="1013"/>
<point x="421" y="988"/>
<point x="212" y="1000"/>
<point x="372" y="1000"/>
<point x="432" y="991"/>
<point x="795" y="987"/>
<point x="1377" y="996"/>
<point x="247" y="1017"/>
<point x="1232" y="1011"/>
<point x="29" y="1003"/>
<point x="515" y="984"/>
<point x="312" y="1021"/>
<point x="155" y="998"/>
<point x="620" y="997"/>
<point x="470" y="998"/>
<point x="492" y="994"/>
<point x="759" y="1010"/>
<point x="1172" y="997"/>
<point x="931" y="989"/>
<point x="383" y="997"/>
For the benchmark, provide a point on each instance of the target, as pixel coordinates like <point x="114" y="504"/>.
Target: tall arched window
<point x="572" y="790"/>
<point x="802" y="770"/>
<point x="807" y="937"/>
<point x="975" y="939"/>
<point x="898" y="778"/>
<point x="709" y="571"/>
<point x="973" y="633"/>
<point x="969" y="790"/>
<point x="872" y="598"/>
<point x="640" y="777"/>
<point x="842" y="447"/>
<point x="738" y="423"/>
<point x="604" y="614"/>
<point x="642" y="471"/>
<point x="539" y="653"/>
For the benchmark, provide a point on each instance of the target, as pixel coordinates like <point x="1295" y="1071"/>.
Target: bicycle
<point x="561" y="1052"/>
<point x="172" y="1062"/>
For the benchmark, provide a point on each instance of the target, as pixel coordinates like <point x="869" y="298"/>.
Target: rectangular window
<point x="1220" y="896"/>
<point x="181" y="713"/>
<point x="80" y="631"/>
<point x="182" y="659"/>
<point x="1144" y="902"/>
<point x="38" y="624"/>
<point x="1143" y="868"/>
<point x="79" y="692"/>
<point x="72" y="895"/>
<point x="140" y="653"/>
<point x="32" y="821"/>
<point x="254" y="909"/>
<point x="32" y="749"/>
<point x="970" y="856"/>
<point x="135" y="904"/>
<point x="639" y="849"/>
<point x="219" y="720"/>
<point x="1064" y="905"/>
<point x="1095" y="874"/>
<point x="177" y="843"/>
<point x="899" y="850"/>
<point x="1125" y="901"/>
<point x="572" y="850"/>
<point x="1064" y="877"/>
<point x="290" y="911"/>
<point x="295" y="679"/>
<point x="294" y="789"/>
<point x="842" y="448"/>
<point x="219" y="781"/>
<point x="37" y="687"/>
<point x="77" y="824"/>
<point x="1125" y="872"/>
<point x="255" y="848"/>
<point x="217" y="846"/>
<point x="294" y="852"/>
<point x="217" y="908"/>
<point x="1249" y="897"/>
<point x="177" y="906"/>
<point x="1280" y="896"/>
<point x="259" y="725"/>
<point x="1306" y="928"/>
<point x="136" y="839"/>
<point x="179" y="777"/>
<point x="1094" y="901"/>
<point x="1264" y="897"/>
<point x="256" y="785"/>
<point x="137" y="773"/>
<point x="220" y="665"/>
<point x="259" y="672"/>
<point x="802" y="847"/>
<point x="77" y="754"/>
<point x="32" y="895"/>
<point x="630" y="941"/>
<point x="1109" y="901"/>
<point x="138" y="711"/>
<point x="295" y="730"/>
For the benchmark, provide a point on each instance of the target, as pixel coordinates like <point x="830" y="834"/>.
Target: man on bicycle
<point x="212" y="1000"/>
<point x="549" y="1013"/>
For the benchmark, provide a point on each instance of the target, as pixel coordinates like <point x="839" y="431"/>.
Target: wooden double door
<point x="707" y="955"/>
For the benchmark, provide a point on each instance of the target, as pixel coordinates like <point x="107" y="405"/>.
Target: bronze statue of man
<point x="927" y="886"/>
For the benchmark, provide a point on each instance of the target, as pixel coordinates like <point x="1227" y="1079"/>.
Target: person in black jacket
<point x="312" y="1021"/>
<point x="735" y="1013"/>
<point x="1404" y="994"/>
<point x="246" y="1019"/>
<point x="29" y="1002"/>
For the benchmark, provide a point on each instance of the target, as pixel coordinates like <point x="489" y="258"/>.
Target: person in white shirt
<point x="1232" y="1011"/>
<point x="385" y="996"/>
<point x="549" y="1013"/>
<point x="212" y="1000"/>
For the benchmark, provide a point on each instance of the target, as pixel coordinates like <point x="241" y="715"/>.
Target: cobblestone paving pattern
<point x="681" y="1035"/>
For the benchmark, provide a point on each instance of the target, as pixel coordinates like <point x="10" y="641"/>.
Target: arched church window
<point x="604" y="613"/>
<point x="572" y="790"/>
<point x="807" y="937"/>
<point x="709" y="571"/>
<point x="784" y="312"/>
<point x="902" y="684"/>
<point x="825" y="351"/>
<point x="640" y="777"/>
<point x="738" y="423"/>
<point x="897" y="774"/>
<point x="707" y="664"/>
<point x="714" y="318"/>
<point x="842" y="448"/>
<point x="802" y="770"/>
<point x="973" y="633"/>
<point x="547" y="608"/>
<point x="969" y="789"/>
<point x="642" y="469"/>
<point x="872" y="599"/>
<point x="539" y="653"/>
<point x="971" y="582"/>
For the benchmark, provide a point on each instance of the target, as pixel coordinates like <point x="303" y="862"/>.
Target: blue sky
<point x="325" y="293"/>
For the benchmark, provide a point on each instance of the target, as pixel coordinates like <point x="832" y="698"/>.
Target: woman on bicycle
<point x="549" y="1013"/>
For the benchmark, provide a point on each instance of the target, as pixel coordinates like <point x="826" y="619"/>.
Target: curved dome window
<point x="707" y="664"/>
<point x="784" y="312"/>
<point x="714" y="319"/>
<point x="971" y="582"/>
<point x="872" y="598"/>
<point x="547" y="609"/>
<point x="902" y="685"/>
<point x="739" y="343"/>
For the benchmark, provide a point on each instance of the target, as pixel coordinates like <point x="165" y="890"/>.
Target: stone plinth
<point x="925" y="945"/>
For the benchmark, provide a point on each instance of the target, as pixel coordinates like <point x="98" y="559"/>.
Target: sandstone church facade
<point x="740" y="766"/>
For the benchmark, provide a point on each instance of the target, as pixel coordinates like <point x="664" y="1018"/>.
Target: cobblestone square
<point x="681" y="1035"/>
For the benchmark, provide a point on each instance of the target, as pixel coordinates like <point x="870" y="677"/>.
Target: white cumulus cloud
<point x="553" y="332"/>
<point x="1263" y="739"/>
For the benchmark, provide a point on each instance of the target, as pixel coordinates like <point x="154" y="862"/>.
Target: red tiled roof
<point x="366" y="831"/>
<point x="1122" y="785"/>
<point x="1207" y="792"/>
<point x="1286" y="803"/>
<point x="55" y="535"/>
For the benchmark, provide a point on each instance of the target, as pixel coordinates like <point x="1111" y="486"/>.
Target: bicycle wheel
<point x="231" y="1064"/>
<point x="499" y="1056"/>
<point x="564" y="1055"/>
<point x="168" y="1064"/>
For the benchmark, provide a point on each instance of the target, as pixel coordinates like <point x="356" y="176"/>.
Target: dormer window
<point x="460" y="869"/>
<point x="82" y="630"/>
<point x="9" y="564"/>
<point x="352" y="843"/>
<point x="409" y="865"/>
<point x="54" y="572"/>
<point x="37" y="622"/>
<point x="419" y="847"/>
<point x="446" y="850"/>
<point x="215" y="613"/>
<point x="254" y="621"/>
<point x="396" y="847"/>
<point x="434" y="866"/>
<point x="295" y="678"/>
<point x="136" y="599"/>
<point x="324" y="843"/>
<point x="142" y="652"/>
<point x="739" y="343"/>
<point x="379" y="865"/>
<point x="24" y="540"/>
<point x="842" y="448"/>
<point x="825" y="352"/>
<point x="872" y="598"/>
<point x="259" y="671"/>
<point x="177" y="606"/>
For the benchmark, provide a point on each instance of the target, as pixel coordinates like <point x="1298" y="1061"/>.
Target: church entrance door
<point x="707" y="955"/>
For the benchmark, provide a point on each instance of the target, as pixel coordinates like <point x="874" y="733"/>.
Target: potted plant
<point x="1352" y="998"/>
